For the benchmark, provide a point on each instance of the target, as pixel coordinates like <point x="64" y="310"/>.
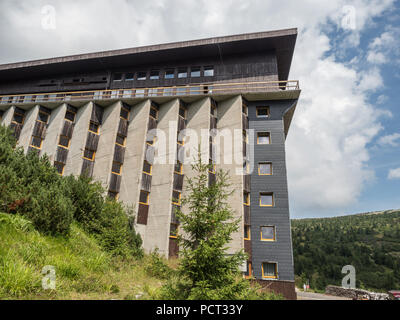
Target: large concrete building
<point x="113" y="115"/>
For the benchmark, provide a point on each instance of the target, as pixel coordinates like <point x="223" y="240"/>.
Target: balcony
<point x="271" y="90"/>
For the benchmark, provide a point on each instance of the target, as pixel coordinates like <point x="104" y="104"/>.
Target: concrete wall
<point x="7" y="116"/>
<point x="105" y="149"/>
<point x="78" y="141"/>
<point x="157" y="230"/>
<point x="134" y="156"/>
<point x="55" y="125"/>
<point x="27" y="130"/>
<point x="230" y="119"/>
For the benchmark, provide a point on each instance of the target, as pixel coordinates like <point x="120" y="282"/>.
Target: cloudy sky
<point x="343" y="150"/>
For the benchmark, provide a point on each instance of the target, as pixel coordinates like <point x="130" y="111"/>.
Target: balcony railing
<point x="190" y="90"/>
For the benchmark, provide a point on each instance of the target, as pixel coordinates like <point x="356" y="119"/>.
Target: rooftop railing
<point x="189" y="90"/>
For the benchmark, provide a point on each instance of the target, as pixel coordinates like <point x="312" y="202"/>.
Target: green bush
<point x="30" y="186"/>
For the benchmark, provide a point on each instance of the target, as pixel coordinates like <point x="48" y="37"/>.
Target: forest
<point x="370" y="242"/>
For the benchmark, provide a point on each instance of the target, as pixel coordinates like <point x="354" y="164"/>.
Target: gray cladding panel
<point x="279" y="251"/>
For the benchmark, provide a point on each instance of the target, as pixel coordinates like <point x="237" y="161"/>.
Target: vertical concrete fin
<point x="27" y="129"/>
<point x="7" y="116"/>
<point x="78" y="141"/>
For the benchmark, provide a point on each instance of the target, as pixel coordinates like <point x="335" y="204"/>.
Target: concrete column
<point x="78" y="141"/>
<point x="134" y="156"/>
<point x="230" y="118"/>
<point x="157" y="230"/>
<point x="7" y="116"/>
<point x="27" y="130"/>
<point x="54" y="128"/>
<point x="105" y="150"/>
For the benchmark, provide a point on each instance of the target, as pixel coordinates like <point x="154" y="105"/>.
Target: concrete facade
<point x="230" y="84"/>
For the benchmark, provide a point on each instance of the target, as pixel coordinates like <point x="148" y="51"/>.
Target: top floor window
<point x="130" y="76"/>
<point x="262" y="112"/>
<point x="182" y="73"/>
<point x="209" y="71"/>
<point x="169" y="74"/>
<point x="118" y="77"/>
<point x="154" y="75"/>
<point x="142" y="76"/>
<point x="195" y="72"/>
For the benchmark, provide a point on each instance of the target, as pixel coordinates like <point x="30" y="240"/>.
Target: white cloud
<point x="382" y="99"/>
<point x="385" y="48"/>
<point x="389" y="140"/>
<point x="327" y="145"/>
<point x="394" y="174"/>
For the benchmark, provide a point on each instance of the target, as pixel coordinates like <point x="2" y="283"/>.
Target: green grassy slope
<point x="83" y="269"/>
<point x="370" y="242"/>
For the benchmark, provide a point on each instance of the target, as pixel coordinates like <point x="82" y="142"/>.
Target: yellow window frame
<point x="250" y="271"/>
<point x="45" y="113"/>
<point x="247" y="232"/>
<point x="122" y="145"/>
<point x="63" y="168"/>
<point x="98" y="127"/>
<point x="120" y="170"/>
<point x="246" y="198"/>
<point x="179" y="199"/>
<point x="70" y="112"/>
<point x="268" y="134"/>
<point x="181" y="169"/>
<point x="264" y="174"/>
<point x="267" y="194"/>
<point x="94" y="155"/>
<point x="36" y="147"/>
<point x="151" y="169"/>
<point x="147" y="197"/>
<point x="22" y="116"/>
<point x="276" y="270"/>
<point x="177" y="231"/>
<point x="268" y="240"/>
<point x="60" y="145"/>
<point x="127" y="110"/>
<point x="262" y="108"/>
<point x="154" y="108"/>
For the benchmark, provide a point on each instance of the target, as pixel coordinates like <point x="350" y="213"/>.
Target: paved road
<point x="317" y="296"/>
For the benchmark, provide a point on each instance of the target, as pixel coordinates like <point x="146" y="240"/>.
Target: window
<point x="89" y="154"/>
<point x="117" y="77"/>
<point x="36" y="142"/>
<point x="43" y="117"/>
<point x="147" y="168"/>
<point x="129" y="77"/>
<point x="120" y="140"/>
<point x="94" y="127"/>
<point x="245" y="136"/>
<point x="263" y="112"/>
<point x="144" y="197"/>
<point x="169" y="74"/>
<point x="246" y="232"/>
<point x="248" y="274"/>
<point x="176" y="197"/>
<point x="265" y="169"/>
<point x="269" y="270"/>
<point x="195" y="72"/>
<point x="182" y="112"/>
<point x="268" y="233"/>
<point x="70" y="116"/>
<point x="209" y="71"/>
<point x="64" y="141"/>
<point x="246" y="198"/>
<point x="155" y="75"/>
<point x="124" y="114"/>
<point x="173" y="231"/>
<point x="116" y="168"/>
<point x="266" y="199"/>
<point x="153" y="112"/>
<point x="263" y="138"/>
<point x="59" y="167"/>
<point x="214" y="110"/>
<point x="178" y="168"/>
<point x="18" y="118"/>
<point x="142" y="75"/>
<point x="212" y="166"/>
<point x="182" y="73"/>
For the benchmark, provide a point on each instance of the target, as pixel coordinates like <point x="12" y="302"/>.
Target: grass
<point x="83" y="269"/>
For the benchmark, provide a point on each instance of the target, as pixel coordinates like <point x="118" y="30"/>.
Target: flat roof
<point x="282" y="41"/>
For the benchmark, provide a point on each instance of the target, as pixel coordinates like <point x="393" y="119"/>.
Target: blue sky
<point x="345" y="136"/>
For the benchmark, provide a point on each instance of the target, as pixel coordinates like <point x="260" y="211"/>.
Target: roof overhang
<point x="281" y="41"/>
